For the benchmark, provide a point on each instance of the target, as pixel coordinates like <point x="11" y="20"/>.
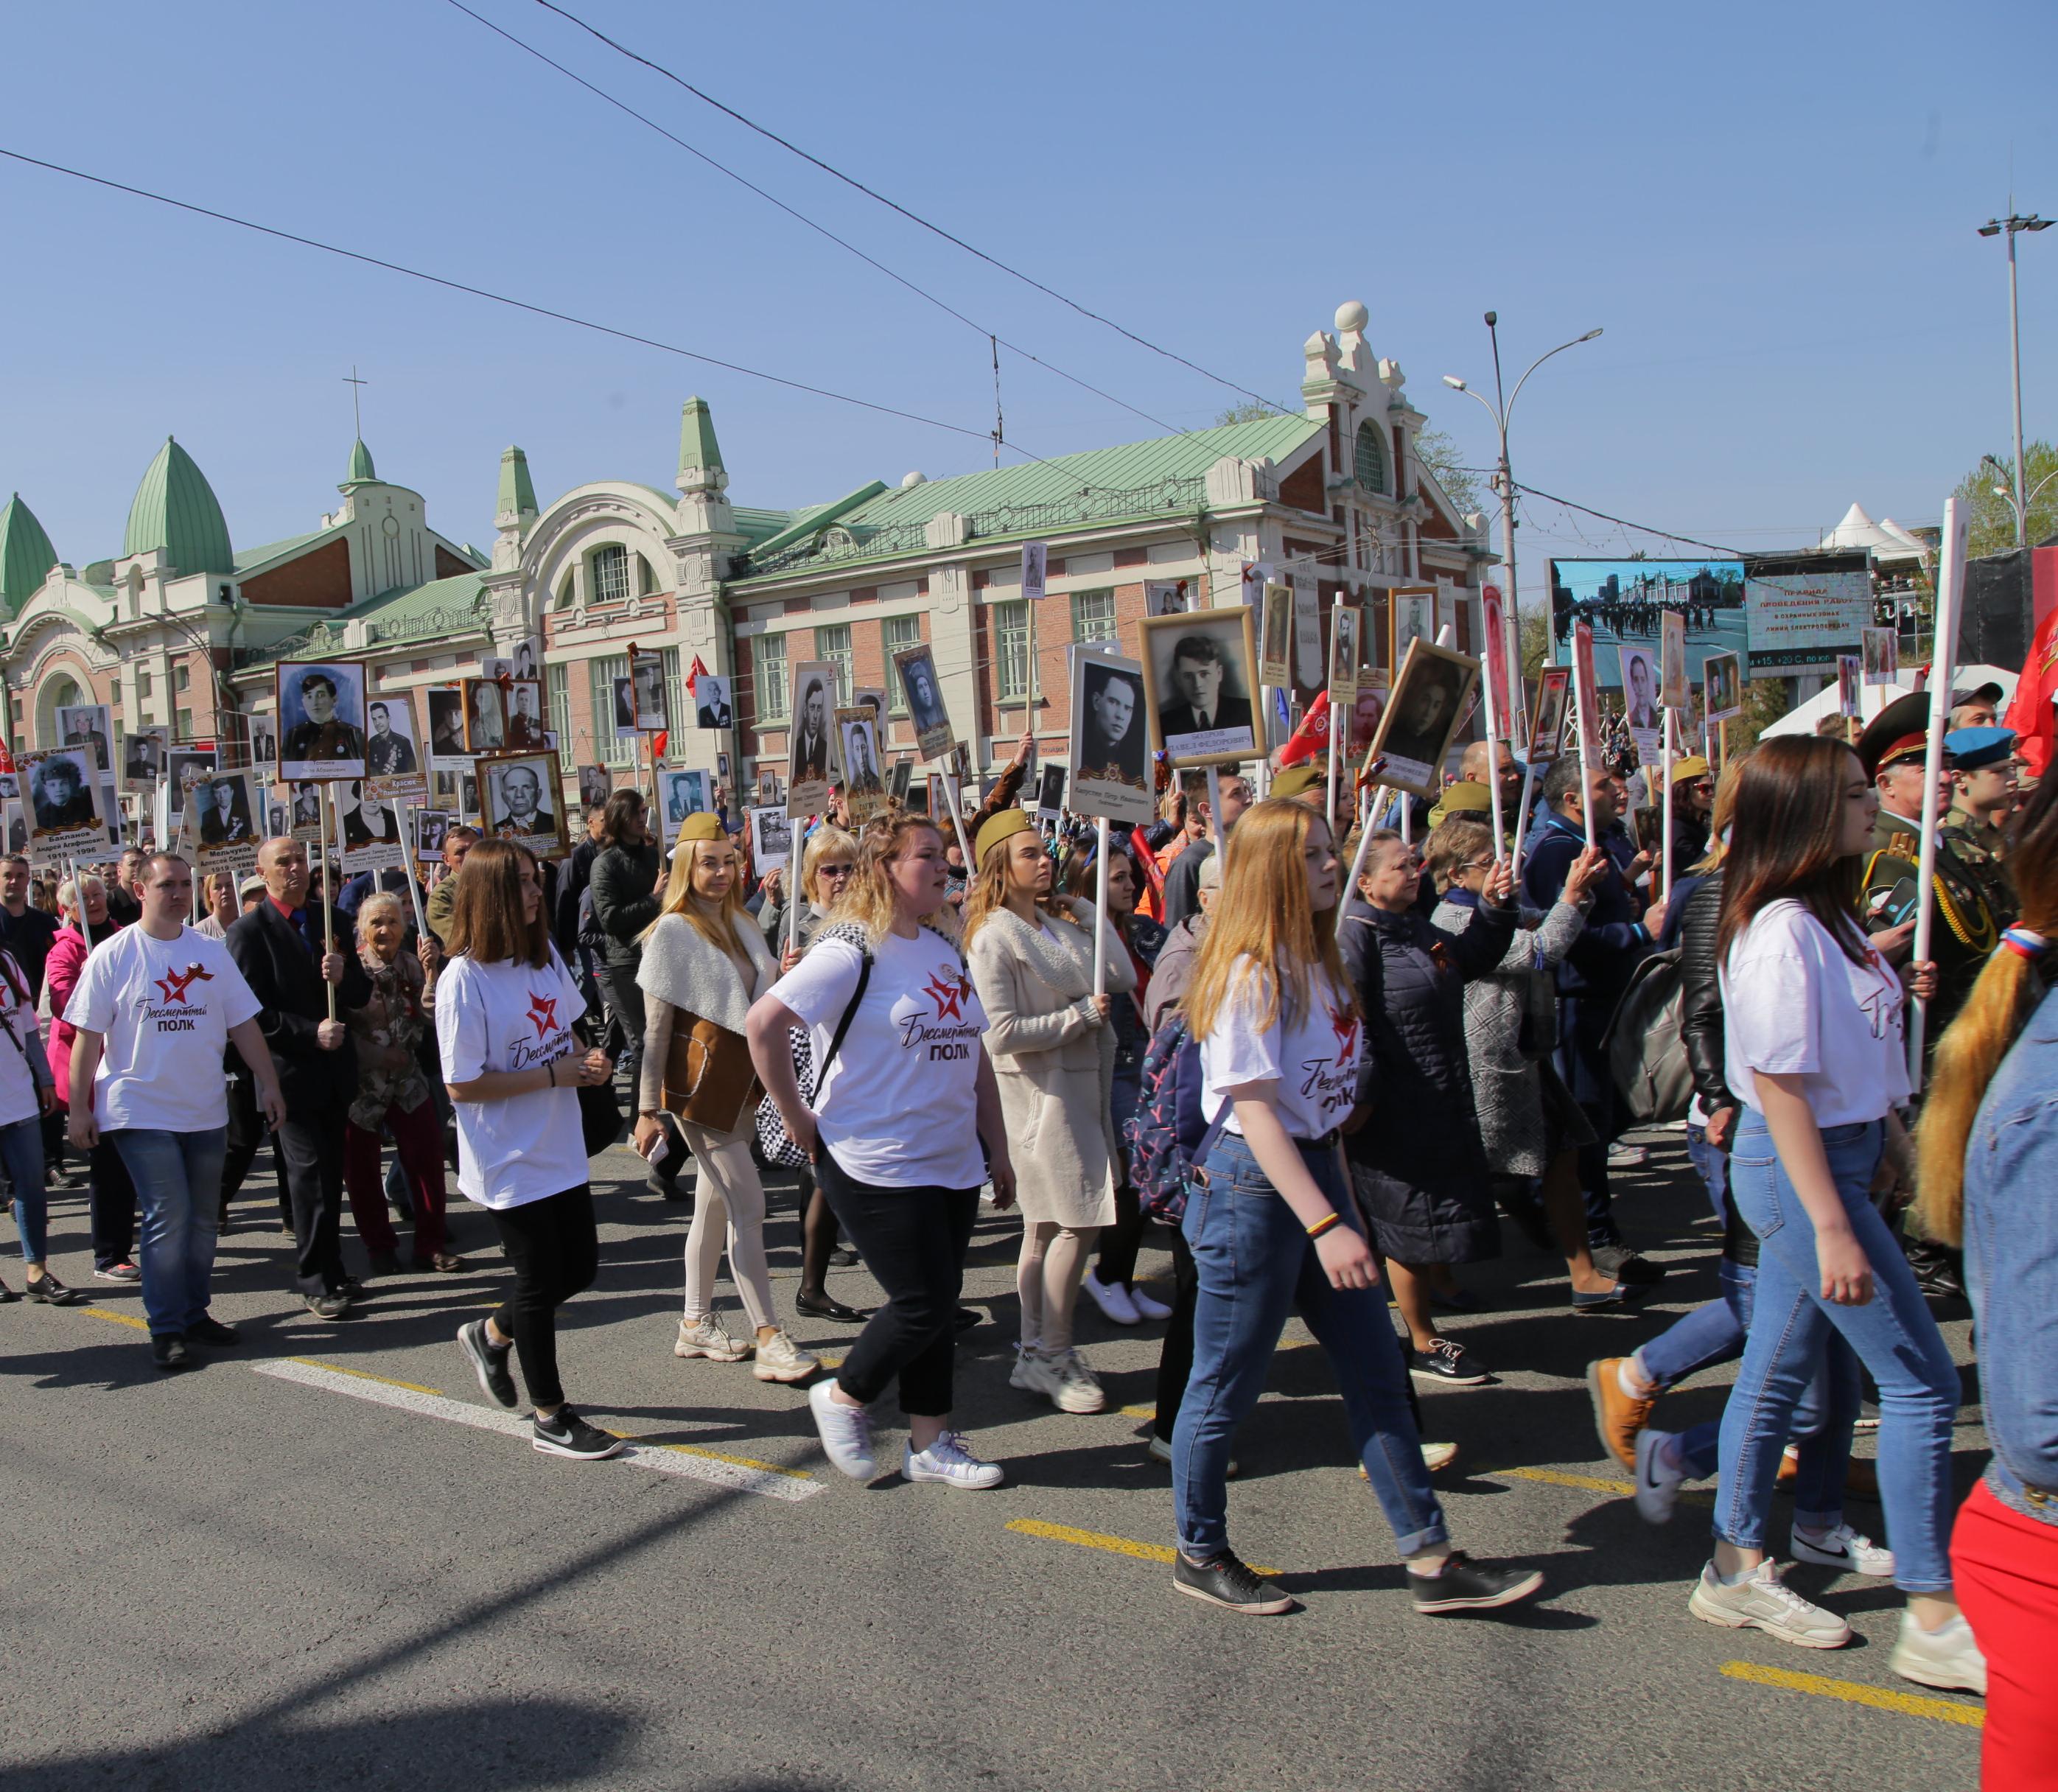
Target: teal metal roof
<point x="360" y="471"/>
<point x="442" y="609"/>
<point x="25" y="553"/>
<point x="755" y="525"/>
<point x="517" y="492"/>
<point x="698" y="450"/>
<point x="807" y="521"/>
<point x="278" y="549"/>
<point x="175" y="509"/>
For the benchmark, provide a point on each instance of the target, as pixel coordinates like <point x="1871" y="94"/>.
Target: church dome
<point x="360" y="471"/>
<point x="175" y="509"/>
<point x="25" y="553"/>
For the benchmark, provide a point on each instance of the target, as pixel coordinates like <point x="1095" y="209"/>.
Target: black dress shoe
<point x="167" y="1350"/>
<point x="207" y="1329"/>
<point x="967" y="1318"/>
<point x="52" y="1292"/>
<point x="822" y="1307"/>
<point x="843" y="1257"/>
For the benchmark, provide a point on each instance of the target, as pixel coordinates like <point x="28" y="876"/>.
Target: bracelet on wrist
<point x="1332" y="1218"/>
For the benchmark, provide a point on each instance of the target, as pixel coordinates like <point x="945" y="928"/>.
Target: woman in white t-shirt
<point x="904" y="1100"/>
<point x="1271" y="1223"/>
<point x="506" y="1006"/>
<point x="1813" y="1048"/>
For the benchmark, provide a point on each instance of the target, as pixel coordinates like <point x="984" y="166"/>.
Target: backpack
<point x="1166" y="1135"/>
<point x="774" y="1143"/>
<point x="1646" y="1055"/>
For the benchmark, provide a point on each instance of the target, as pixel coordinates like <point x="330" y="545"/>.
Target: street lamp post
<point x="2015" y="500"/>
<point x="2010" y="226"/>
<point x="1505" y="483"/>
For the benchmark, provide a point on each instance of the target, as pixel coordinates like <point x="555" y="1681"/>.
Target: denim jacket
<point x="2011" y="1266"/>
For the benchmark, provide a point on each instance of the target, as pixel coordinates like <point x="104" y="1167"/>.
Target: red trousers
<point x="2006" y="1569"/>
<point x="419" y="1140"/>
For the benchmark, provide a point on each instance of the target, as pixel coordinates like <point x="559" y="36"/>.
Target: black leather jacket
<point x="1701" y="1030"/>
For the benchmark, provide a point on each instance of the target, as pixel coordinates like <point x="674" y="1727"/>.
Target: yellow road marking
<point x="1139" y="1411"/>
<point x="127" y="1319"/>
<point x="1904" y="1704"/>
<point x="363" y="1375"/>
<point x="1100" y="1539"/>
<point x="1593" y="1484"/>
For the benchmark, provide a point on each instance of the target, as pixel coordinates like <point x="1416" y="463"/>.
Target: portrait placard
<point x="771" y="837"/>
<point x="1035" y="557"/>
<point x="1586" y="694"/>
<point x="1639" y="688"/>
<point x="646" y="672"/>
<point x="519" y="792"/>
<point x="1109" y="753"/>
<point x="858" y="752"/>
<point x="88" y="725"/>
<point x="1410" y="616"/>
<point x="1343" y="657"/>
<point x="1200" y="683"/>
<point x="1722" y="685"/>
<point x="143" y="751"/>
<point x="223" y="821"/>
<point x="898" y="779"/>
<point x="321" y="719"/>
<point x="1422" y="717"/>
<point x="811" y="761"/>
<point x="370" y="830"/>
<point x="1880" y="649"/>
<point x="683" y="792"/>
<point x="916" y="669"/>
<point x="523" y="699"/>
<point x="1275" y="666"/>
<point x="1554" y="687"/>
<point x="712" y="707"/>
<point x="431" y="825"/>
<point x="1169" y="597"/>
<point x="1674" y="689"/>
<point x="1051" y="792"/>
<point x="1851" y="684"/>
<point x="305" y="824"/>
<point x="447" y="750"/>
<point x="66" y="820"/>
<point x="393" y="768"/>
<point x="181" y="764"/>
<point x="596" y="783"/>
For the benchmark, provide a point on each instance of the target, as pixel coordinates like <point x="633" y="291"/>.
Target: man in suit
<point x="811" y="739"/>
<point x="223" y="821"/>
<point x="279" y="948"/>
<point x="323" y="735"/>
<point x="712" y="696"/>
<point x="1112" y="748"/>
<point x="79" y="731"/>
<point x="142" y="762"/>
<point x="525" y="727"/>
<point x="1198" y="676"/>
<point x="387" y="754"/>
<point x="522" y="810"/>
<point x="861" y="777"/>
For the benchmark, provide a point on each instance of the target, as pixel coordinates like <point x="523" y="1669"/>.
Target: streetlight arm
<point x="1538" y="362"/>
<point x="1477" y="398"/>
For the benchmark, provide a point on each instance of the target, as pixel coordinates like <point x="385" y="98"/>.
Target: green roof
<point x="517" y="493"/>
<point x="755" y="525"/>
<point x="441" y="609"/>
<point x="273" y="551"/>
<point x="175" y="509"/>
<point x="25" y="553"/>
<point x="360" y="471"/>
<point x="698" y="450"/>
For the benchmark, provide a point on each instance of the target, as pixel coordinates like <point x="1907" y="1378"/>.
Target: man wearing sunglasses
<point x="1693" y="802"/>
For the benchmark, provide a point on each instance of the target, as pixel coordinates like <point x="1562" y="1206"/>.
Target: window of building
<point x="608" y="748"/>
<point x="768" y="677"/>
<point x="610" y="574"/>
<point x="900" y="631"/>
<point x="833" y="644"/>
<point x="567" y="590"/>
<point x="182" y="677"/>
<point x="1371" y="471"/>
<point x="557" y="689"/>
<point x="1093" y="616"/>
<point x="646" y="580"/>
<point x="1010" y="643"/>
<point x="183" y="727"/>
<point x="142" y="685"/>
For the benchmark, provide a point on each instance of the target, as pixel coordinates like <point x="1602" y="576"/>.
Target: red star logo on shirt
<point x="948" y="994"/>
<point x="543" y="1012"/>
<point x="175" y="984"/>
<point x="1344" y="1024"/>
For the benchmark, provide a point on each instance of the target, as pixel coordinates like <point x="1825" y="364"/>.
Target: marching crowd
<point x="1325" y="1061"/>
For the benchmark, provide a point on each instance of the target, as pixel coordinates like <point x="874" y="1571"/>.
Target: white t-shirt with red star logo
<point x="899" y="1108"/>
<point x="1313" y="1058"/>
<point x="165" y="1008"/>
<point x="509" y="1017"/>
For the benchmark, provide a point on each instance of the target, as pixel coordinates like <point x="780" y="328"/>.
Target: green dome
<point x="25" y="553"/>
<point x="175" y="510"/>
<point x="360" y="471"/>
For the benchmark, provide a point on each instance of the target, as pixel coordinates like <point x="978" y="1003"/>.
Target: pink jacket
<point x="60" y="975"/>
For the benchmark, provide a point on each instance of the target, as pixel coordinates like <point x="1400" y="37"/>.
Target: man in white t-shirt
<point x="156" y="1008"/>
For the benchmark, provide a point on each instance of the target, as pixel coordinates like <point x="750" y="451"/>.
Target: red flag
<point x="659" y="741"/>
<point x="698" y="669"/>
<point x="2029" y="711"/>
<point x="1141" y="846"/>
<point x="1312" y="737"/>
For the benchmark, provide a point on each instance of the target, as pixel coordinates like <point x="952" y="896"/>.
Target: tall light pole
<point x="1505" y="483"/>
<point x="2020" y="505"/>
<point x="2010" y="226"/>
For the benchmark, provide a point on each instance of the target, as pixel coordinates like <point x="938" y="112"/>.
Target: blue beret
<point x="1973" y="748"/>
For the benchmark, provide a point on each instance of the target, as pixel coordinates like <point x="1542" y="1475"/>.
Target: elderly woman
<point x="111" y="1196"/>
<point x="393" y="1094"/>
<point x="218" y="892"/>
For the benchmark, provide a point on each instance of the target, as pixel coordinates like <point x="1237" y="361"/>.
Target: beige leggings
<point x="729" y="1209"/>
<point x="1046" y="1280"/>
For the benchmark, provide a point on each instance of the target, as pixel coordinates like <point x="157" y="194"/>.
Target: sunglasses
<point x="834" y="870"/>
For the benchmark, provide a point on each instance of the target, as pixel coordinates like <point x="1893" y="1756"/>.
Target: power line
<point x="1642" y="528"/>
<point x="912" y="217"/>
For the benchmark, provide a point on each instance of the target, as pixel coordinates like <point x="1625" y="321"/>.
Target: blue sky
<point x="1770" y="209"/>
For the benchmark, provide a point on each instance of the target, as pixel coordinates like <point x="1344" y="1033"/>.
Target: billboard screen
<point x="1805" y="610"/>
<point x="1624" y="601"/>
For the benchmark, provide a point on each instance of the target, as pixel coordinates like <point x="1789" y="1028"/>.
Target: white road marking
<point x="666" y="1459"/>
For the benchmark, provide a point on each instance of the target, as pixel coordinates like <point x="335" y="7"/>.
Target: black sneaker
<point x="565" y="1433"/>
<point x="1227" y="1582"/>
<point x="327" y="1306"/>
<point x="123" y="1271"/>
<point x="489" y="1362"/>
<point x="1468" y="1585"/>
<point x="1624" y="1265"/>
<point x="207" y="1329"/>
<point x="167" y="1350"/>
<point x="1446" y="1360"/>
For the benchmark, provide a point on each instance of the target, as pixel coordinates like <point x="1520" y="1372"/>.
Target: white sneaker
<point x="1070" y="1384"/>
<point x="948" y="1461"/>
<point x="705" y="1337"/>
<point x="1657" y="1486"/>
<point x="1028" y="1356"/>
<point x="1762" y="1600"/>
<point x="846" y="1432"/>
<point x="1948" y="1656"/>
<point x="1843" y="1548"/>
<point x="1147" y="1308"/>
<point x="780" y="1359"/>
<point x="1434" y="1456"/>
<point x="1112" y="1299"/>
<point x="1626" y="1156"/>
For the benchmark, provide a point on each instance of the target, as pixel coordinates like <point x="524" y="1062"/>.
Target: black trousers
<point x="914" y="1241"/>
<point x="110" y="1200"/>
<point x="555" y="1246"/>
<point x="310" y="1149"/>
<point x="624" y="1000"/>
<point x="246" y="1132"/>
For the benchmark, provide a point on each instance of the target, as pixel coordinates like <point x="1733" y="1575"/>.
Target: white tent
<point x="1802" y="720"/>
<point x="1885" y="540"/>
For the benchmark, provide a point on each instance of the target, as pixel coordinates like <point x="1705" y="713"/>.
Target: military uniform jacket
<point x="1980" y="848"/>
<point x="1965" y="929"/>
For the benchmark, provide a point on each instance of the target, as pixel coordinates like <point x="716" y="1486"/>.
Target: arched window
<point x="608" y="577"/>
<point x="1372" y="472"/>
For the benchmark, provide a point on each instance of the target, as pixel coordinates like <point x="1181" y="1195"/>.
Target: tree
<point x="1439" y="453"/>
<point x="1993" y="516"/>
<point x="1251" y="412"/>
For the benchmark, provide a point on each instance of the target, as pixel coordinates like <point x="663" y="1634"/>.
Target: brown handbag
<point x="708" y="1077"/>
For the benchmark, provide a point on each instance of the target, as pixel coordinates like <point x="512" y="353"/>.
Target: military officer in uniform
<point x="1983" y="784"/>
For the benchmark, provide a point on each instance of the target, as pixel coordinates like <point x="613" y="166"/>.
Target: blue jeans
<point x="1892" y="1334"/>
<point x="1712" y="1162"/>
<point x="1255" y="1263"/>
<point x="178" y="1184"/>
<point x="22" y="1155"/>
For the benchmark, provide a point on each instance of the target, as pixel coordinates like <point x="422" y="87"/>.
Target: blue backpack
<point x="1167" y="1135"/>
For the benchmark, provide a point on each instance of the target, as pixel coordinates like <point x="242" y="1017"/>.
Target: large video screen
<point x="1624" y="599"/>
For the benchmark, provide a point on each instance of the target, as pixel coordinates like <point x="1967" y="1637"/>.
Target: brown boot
<point x="1860" y="1476"/>
<point x="1617" y="1418"/>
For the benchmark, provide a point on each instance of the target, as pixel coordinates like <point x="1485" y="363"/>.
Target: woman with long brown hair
<point x="1814" y="1050"/>
<point x="505" y="1008"/>
<point x="1989" y="1180"/>
<point x="903" y="1099"/>
<point x="1271" y="1224"/>
<point x="703" y="959"/>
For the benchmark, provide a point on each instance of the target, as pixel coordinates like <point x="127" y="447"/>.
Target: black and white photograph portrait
<point x="321" y="719"/>
<point x="1200" y="679"/>
<point x="277" y="820"/>
<point x="624" y="688"/>
<point x="447" y="748"/>
<point x="143" y="751"/>
<point x="431" y="825"/>
<point x="596" y="783"/>
<point x="528" y="661"/>
<point x="1109" y="752"/>
<point x="1168" y="596"/>
<point x="1639" y="690"/>
<point x="307" y="817"/>
<point x="520" y="795"/>
<point x="485" y="716"/>
<point x="61" y="796"/>
<point x="1344" y="620"/>
<point x="1276" y="661"/>
<point x="685" y="793"/>
<point x="88" y="725"/>
<point x="810" y="748"/>
<point x="221" y="811"/>
<point x="916" y="666"/>
<point x="711" y="705"/>
<point x="646" y="672"/>
<point x="523" y="699"/>
<point x="1423" y="716"/>
<point x="858" y="737"/>
<point x="182" y="765"/>
<point x="389" y="745"/>
<point x="365" y="822"/>
<point x="772" y="838"/>
<point x="1051" y="790"/>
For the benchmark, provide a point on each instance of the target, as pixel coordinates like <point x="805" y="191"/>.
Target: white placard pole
<point x="957" y="820"/>
<point x="1493" y="764"/>
<point x="328" y="895"/>
<point x="1522" y="816"/>
<point x="412" y="871"/>
<point x="1100" y="907"/>
<point x="1943" y="669"/>
<point x="1666" y="762"/>
<point x="1587" y="729"/>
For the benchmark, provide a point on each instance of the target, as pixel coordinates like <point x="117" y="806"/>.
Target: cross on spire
<point x="356" y="386"/>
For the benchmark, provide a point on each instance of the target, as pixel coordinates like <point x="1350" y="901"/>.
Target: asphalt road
<point x="316" y="1562"/>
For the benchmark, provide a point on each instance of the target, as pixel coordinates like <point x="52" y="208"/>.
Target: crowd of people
<point x="1320" y="1061"/>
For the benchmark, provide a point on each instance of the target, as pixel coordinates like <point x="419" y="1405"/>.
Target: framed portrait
<point x="143" y="751"/>
<point x="90" y="726"/>
<point x="1275" y="666"/>
<point x="898" y="780"/>
<point x="1366" y="708"/>
<point x="305" y="822"/>
<point x="712" y="707"/>
<point x="1506" y="696"/>
<point x="1168" y="596"/>
<point x="1051" y="791"/>
<point x="1410" y="616"/>
<point x="519" y="794"/>
<point x="1880" y="650"/>
<point x="915" y="668"/>
<point x="224" y="823"/>
<point x="527" y="661"/>
<point x="937" y="801"/>
<point x="1423" y="716"/>
<point x="181" y="763"/>
<point x="1674" y="689"/>
<point x="321" y="719"/>
<point x="370" y="830"/>
<point x="683" y="793"/>
<point x="431" y="825"/>
<point x="858" y="752"/>
<point x="1109" y="753"/>
<point x="771" y="837"/>
<point x="485" y="716"/>
<point x="721" y="768"/>
<point x="769" y="791"/>
<point x="624" y="706"/>
<point x="395" y="765"/>
<point x="1200" y="685"/>
<point x="1344" y="620"/>
<point x="646" y="673"/>
<point x="1721" y="681"/>
<point x="1639" y="690"/>
<point x="66" y="818"/>
<point x="596" y="784"/>
<point x="523" y="699"/>
<point x="811" y="761"/>
<point x="1851" y="684"/>
<point x="1035" y="557"/>
<point x="1553" y="689"/>
<point x="445" y="704"/>
<point x="1586" y="694"/>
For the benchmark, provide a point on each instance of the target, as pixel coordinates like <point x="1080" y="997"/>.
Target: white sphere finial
<point x="911" y="480"/>
<point x="1352" y="315"/>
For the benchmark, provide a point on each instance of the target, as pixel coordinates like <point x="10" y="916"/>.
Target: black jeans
<point x="1120" y="1242"/>
<point x="624" y="1000"/>
<point x="914" y="1241"/>
<point x="110" y="1200"/>
<point x="1175" y="1358"/>
<point x="1583" y="1024"/>
<point x="310" y="1149"/>
<point x="555" y="1249"/>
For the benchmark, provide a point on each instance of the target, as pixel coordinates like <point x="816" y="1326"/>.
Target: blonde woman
<point x="1031" y="954"/>
<point x="703" y="959"/>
